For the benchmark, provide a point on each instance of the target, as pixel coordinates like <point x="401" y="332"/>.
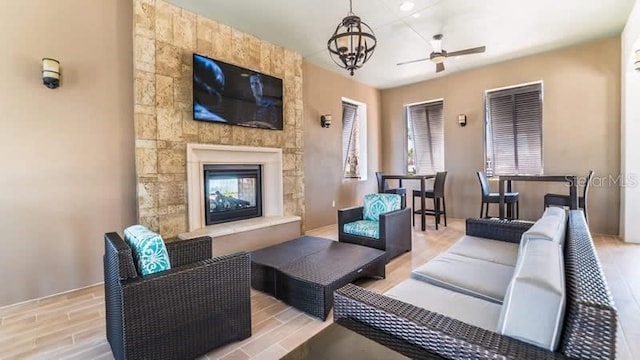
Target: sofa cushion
<point x="482" y="279"/>
<point x="149" y="252"/>
<point x="501" y="252"/>
<point x="551" y="227"/>
<point x="376" y="204"/>
<point x="533" y="307"/>
<point x="366" y="228"/>
<point x="468" y="309"/>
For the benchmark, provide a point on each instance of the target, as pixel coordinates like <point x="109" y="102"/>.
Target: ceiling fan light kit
<point x="353" y="42"/>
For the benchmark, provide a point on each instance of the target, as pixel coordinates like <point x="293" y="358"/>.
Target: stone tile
<point x="144" y="88"/>
<point x="171" y="193"/>
<point x="238" y="53"/>
<point x="164" y="91"/>
<point x="252" y="51"/>
<point x="238" y="135"/>
<point x="164" y="178"/>
<point x="183" y="89"/>
<point x="277" y="61"/>
<point x="265" y="57"/>
<point x="144" y="109"/>
<point x="169" y="124"/>
<point x="144" y="54"/>
<point x="289" y="185"/>
<point x="169" y="59"/>
<point x="171" y="225"/>
<point x="146" y="161"/>
<point x="189" y="126"/>
<point x="147" y="195"/>
<point x="171" y="161"/>
<point x="221" y="43"/>
<point x="184" y="30"/>
<point x="145" y="126"/>
<point x="144" y="15"/>
<point x="151" y="222"/>
<point x="165" y="14"/>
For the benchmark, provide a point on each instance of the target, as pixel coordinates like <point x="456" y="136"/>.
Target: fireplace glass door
<point x="232" y="192"/>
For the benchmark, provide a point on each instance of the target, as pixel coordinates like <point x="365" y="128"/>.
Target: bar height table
<point x="571" y="179"/>
<point x="422" y="179"/>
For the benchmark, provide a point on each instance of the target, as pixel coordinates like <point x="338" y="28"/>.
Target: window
<point x="354" y="142"/>
<point x="425" y="137"/>
<point x="513" y="134"/>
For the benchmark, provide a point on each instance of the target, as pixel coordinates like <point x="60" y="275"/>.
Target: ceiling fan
<point x="438" y="55"/>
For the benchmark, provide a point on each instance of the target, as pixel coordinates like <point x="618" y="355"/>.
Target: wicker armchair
<point x="394" y="230"/>
<point x="181" y="313"/>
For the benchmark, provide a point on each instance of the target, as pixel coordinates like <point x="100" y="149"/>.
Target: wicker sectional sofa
<point x="506" y="290"/>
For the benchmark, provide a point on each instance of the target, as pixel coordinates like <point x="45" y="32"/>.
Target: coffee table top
<point x="341" y="341"/>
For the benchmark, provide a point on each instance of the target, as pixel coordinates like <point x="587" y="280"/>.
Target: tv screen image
<point x="233" y="95"/>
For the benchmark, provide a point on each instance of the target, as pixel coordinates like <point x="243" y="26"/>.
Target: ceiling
<point x="509" y="29"/>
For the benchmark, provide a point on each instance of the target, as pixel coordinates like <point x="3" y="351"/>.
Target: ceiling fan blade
<point x="411" y="61"/>
<point x="475" y="50"/>
<point x="439" y="67"/>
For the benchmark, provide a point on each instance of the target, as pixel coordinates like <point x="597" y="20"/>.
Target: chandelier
<point x="353" y="42"/>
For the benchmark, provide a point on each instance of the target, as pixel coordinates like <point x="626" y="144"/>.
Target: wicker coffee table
<point x="304" y="272"/>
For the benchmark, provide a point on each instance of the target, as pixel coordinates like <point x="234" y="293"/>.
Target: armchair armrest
<point x="183" y="252"/>
<point x="433" y="332"/>
<point x="349" y="215"/>
<point x="503" y="230"/>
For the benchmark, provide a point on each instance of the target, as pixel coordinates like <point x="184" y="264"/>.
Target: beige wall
<point x="166" y="36"/>
<point x="581" y="126"/>
<point x="67" y="173"/>
<point x="324" y="182"/>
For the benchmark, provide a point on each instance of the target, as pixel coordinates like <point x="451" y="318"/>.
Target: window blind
<point x="515" y="125"/>
<point x="426" y="126"/>
<point x="349" y="146"/>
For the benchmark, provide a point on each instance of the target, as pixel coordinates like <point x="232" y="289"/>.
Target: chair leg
<point x="517" y="209"/>
<point x="436" y="207"/>
<point x="444" y="211"/>
<point x="481" y="208"/>
<point x="486" y="211"/>
<point x="413" y="210"/>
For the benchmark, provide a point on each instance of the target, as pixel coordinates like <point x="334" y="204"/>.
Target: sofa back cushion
<point x="533" y="307"/>
<point x="149" y="252"/>
<point x="551" y="226"/>
<point x="376" y="204"/>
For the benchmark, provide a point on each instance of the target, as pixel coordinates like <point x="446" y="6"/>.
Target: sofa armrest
<point x="349" y="215"/>
<point x="395" y="231"/>
<point x="183" y="252"/>
<point x="433" y="332"/>
<point x="503" y="230"/>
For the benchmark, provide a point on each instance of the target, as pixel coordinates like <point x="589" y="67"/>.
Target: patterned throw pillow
<point x="149" y="252"/>
<point x="376" y="204"/>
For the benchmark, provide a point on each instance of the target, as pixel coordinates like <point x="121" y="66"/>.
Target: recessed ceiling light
<point x="407" y="5"/>
<point x="416" y="15"/>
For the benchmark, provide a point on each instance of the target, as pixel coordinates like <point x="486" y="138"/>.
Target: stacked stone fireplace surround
<point x="165" y="37"/>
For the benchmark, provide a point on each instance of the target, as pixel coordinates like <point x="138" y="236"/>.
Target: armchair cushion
<point x="366" y="228"/>
<point x="376" y="204"/>
<point x="149" y="252"/>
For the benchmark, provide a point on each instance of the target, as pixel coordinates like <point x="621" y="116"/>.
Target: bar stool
<point x="565" y="200"/>
<point x="383" y="188"/>
<point x="437" y="194"/>
<point x="510" y="198"/>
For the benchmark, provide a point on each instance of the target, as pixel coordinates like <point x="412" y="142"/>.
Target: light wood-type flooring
<point x="71" y="325"/>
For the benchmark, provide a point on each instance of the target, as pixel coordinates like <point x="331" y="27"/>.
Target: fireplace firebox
<point x="232" y="192"/>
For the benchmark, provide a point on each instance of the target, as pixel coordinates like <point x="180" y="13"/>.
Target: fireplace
<point x="232" y="192"/>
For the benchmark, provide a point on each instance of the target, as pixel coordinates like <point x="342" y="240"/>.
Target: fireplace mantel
<point x="199" y="155"/>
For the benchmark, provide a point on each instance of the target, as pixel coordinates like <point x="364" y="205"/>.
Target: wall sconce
<point x="325" y="120"/>
<point x="50" y="73"/>
<point x="636" y="65"/>
<point x="462" y="120"/>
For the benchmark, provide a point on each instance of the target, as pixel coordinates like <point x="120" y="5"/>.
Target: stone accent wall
<point x="165" y="37"/>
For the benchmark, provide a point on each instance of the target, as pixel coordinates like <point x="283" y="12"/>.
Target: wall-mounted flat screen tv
<point x="229" y="94"/>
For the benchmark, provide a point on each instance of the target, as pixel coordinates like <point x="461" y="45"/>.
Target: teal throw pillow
<point x="149" y="252"/>
<point x="376" y="204"/>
